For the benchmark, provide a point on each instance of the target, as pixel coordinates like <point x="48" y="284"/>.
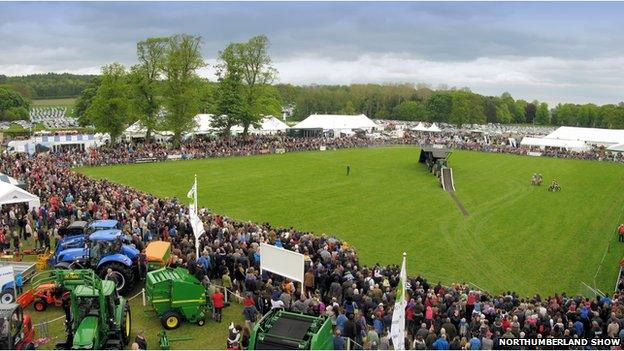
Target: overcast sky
<point x="552" y="52"/>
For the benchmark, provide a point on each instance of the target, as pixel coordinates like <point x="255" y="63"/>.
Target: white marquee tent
<point x="434" y="128"/>
<point x="337" y="123"/>
<point x="269" y="125"/>
<point x="574" y="145"/>
<point x="11" y="194"/>
<point x="420" y="127"/>
<point x="593" y="136"/>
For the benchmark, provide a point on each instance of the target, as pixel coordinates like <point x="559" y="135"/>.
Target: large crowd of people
<point x="359" y="299"/>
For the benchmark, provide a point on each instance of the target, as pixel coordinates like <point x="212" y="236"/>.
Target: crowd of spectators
<point x="358" y="299"/>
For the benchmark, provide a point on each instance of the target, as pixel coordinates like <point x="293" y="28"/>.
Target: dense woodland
<point x="247" y="95"/>
<point x="48" y="85"/>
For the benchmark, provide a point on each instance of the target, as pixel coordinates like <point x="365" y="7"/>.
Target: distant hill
<point x="48" y="85"/>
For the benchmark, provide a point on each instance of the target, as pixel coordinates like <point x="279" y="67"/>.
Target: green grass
<point x="517" y="237"/>
<point x="69" y="102"/>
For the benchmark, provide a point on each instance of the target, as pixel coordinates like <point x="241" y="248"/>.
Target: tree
<point x="520" y="111"/>
<point x="12" y="104"/>
<point x="182" y="59"/>
<point x="110" y="108"/>
<point x="530" y="110"/>
<point x="503" y="115"/>
<point x="145" y="82"/>
<point x="542" y="116"/>
<point x="83" y="102"/>
<point x="490" y="105"/>
<point x="16" y="114"/>
<point x="467" y="108"/>
<point x="257" y="71"/>
<point x="439" y="106"/>
<point x="410" y="111"/>
<point x="231" y="105"/>
<point x="349" y="109"/>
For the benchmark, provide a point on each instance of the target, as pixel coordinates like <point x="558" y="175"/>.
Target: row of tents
<point x="271" y="125"/>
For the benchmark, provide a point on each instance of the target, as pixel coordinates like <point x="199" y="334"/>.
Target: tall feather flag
<point x="397" y="330"/>
<point x="196" y="223"/>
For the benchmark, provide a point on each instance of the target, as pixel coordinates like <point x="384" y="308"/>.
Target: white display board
<point x="284" y="262"/>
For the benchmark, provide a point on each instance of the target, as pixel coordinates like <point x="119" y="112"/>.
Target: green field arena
<point x="515" y="237"/>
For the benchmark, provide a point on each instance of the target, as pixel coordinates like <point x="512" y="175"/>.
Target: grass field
<point x="69" y="102"/>
<point x="516" y="236"/>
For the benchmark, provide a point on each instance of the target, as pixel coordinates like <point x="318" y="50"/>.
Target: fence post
<point x="143" y="296"/>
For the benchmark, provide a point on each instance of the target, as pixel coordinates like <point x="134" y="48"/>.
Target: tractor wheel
<point x="121" y="275"/>
<point x="201" y="321"/>
<point x="171" y="320"/>
<point x="7" y="296"/>
<point x="126" y="325"/>
<point x="40" y="305"/>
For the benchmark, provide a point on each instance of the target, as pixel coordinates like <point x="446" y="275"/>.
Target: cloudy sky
<point x="547" y="51"/>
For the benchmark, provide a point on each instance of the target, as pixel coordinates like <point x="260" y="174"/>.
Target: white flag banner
<point x="196" y="224"/>
<point x="397" y="330"/>
<point x="193" y="191"/>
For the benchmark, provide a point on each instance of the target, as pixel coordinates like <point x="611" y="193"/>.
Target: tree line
<point x="457" y="106"/>
<point x="164" y="91"/>
<point x="47" y="85"/>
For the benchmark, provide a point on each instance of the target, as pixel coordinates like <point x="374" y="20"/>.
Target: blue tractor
<point x="108" y="253"/>
<point x="74" y="234"/>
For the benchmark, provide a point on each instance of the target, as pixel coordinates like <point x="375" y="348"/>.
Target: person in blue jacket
<point x="441" y="343"/>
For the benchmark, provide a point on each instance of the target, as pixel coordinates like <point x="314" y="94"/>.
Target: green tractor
<point x="96" y="317"/>
<point x="177" y="295"/>
<point x="283" y="330"/>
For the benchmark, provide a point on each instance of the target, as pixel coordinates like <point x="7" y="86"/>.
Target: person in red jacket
<point x="218" y="303"/>
<point x="621" y="232"/>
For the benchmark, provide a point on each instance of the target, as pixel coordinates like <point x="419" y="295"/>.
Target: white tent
<point x="8" y="179"/>
<point x="337" y="122"/>
<point x="135" y="131"/>
<point x="204" y="124"/>
<point x="268" y="125"/>
<point x="11" y="194"/>
<point x="595" y="136"/>
<point x="434" y="128"/>
<point x="575" y="145"/>
<point x="420" y="127"/>
<point x="616" y="147"/>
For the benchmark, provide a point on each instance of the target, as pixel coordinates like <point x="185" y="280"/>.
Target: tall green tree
<point x="182" y="59"/>
<point x="520" y="111"/>
<point x="110" y="109"/>
<point x="257" y="72"/>
<point x="84" y="100"/>
<point x="12" y="105"/>
<point x="231" y="105"/>
<point x="542" y="116"/>
<point x="145" y="82"/>
<point x="467" y="107"/>
<point x="439" y="106"/>
<point x="503" y="115"/>
<point x="410" y="111"/>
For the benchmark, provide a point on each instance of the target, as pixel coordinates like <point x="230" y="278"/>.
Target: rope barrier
<point x="48" y="322"/>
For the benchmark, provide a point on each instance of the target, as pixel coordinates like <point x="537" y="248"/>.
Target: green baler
<point x="283" y="330"/>
<point x="176" y="295"/>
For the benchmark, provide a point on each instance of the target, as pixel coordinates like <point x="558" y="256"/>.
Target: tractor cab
<point x="16" y="330"/>
<point x="98" y="318"/>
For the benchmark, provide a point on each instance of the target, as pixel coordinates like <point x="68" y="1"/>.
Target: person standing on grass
<point x="348" y="169"/>
<point x="218" y="303"/>
<point x="621" y="232"/>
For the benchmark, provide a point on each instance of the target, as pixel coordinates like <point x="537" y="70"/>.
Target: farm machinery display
<point x="96" y="316"/>
<point x="16" y="328"/>
<point x="104" y="251"/>
<point x="176" y="295"/>
<point x="280" y="329"/>
<point x="75" y="234"/>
